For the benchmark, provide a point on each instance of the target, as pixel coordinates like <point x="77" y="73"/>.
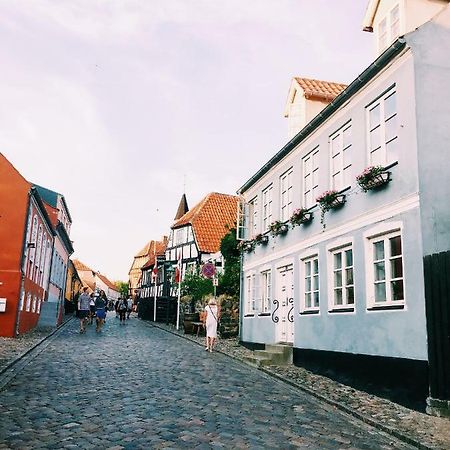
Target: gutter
<point x="388" y="55"/>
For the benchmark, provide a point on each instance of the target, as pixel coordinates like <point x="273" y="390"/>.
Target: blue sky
<point x="114" y="103"/>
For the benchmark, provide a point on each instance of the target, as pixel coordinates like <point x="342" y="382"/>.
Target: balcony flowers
<point x="329" y="200"/>
<point x="278" y="228"/>
<point x="373" y="177"/>
<point x="261" y="239"/>
<point x="246" y="246"/>
<point x="300" y="216"/>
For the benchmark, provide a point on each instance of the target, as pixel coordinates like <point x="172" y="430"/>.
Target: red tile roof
<point x="211" y="219"/>
<point x="81" y="266"/>
<point x="145" y="251"/>
<point x="159" y="250"/>
<point x="107" y="282"/>
<point x="320" y="90"/>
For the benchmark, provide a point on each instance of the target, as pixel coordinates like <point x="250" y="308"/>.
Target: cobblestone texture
<point x="136" y="386"/>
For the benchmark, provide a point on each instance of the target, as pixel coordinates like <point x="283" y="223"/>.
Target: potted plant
<point x="299" y="216"/>
<point x="329" y="200"/>
<point x="373" y="177"/>
<point x="261" y="239"/>
<point x="249" y="246"/>
<point x="278" y="228"/>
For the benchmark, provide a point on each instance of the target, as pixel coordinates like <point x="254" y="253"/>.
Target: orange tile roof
<point x="145" y="251"/>
<point x="321" y="90"/>
<point x="108" y="283"/>
<point x="160" y="250"/>
<point x="211" y="219"/>
<point x="81" y="266"/>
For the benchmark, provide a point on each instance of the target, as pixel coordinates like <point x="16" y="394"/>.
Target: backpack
<point x="122" y="306"/>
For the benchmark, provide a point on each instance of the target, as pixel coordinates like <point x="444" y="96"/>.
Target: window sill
<point x="309" y="312"/>
<point x="385" y="307"/>
<point x="267" y="314"/>
<point x="341" y="310"/>
<point x="249" y="315"/>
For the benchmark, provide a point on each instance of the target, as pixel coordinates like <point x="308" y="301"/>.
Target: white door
<point x="283" y="314"/>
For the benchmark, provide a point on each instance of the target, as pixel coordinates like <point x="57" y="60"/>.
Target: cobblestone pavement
<point x="136" y="386"/>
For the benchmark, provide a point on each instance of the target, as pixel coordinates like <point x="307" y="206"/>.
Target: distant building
<point x="73" y="287"/>
<point x="27" y="237"/>
<point x="134" y="275"/>
<point x="366" y="286"/>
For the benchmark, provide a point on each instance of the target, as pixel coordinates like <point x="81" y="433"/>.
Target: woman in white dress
<point x="212" y="319"/>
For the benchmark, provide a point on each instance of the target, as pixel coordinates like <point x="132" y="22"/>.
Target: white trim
<point x="377" y="215"/>
<point x="383" y="228"/>
<point x="302" y="305"/>
<point x="284" y="262"/>
<point x="341" y="242"/>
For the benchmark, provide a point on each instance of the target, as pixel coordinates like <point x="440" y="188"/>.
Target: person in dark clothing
<point x="122" y="309"/>
<point x="100" y="310"/>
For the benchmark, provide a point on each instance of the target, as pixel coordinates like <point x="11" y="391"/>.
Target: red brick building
<point x="26" y="243"/>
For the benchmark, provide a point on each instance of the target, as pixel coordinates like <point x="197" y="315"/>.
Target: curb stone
<point x="376" y="424"/>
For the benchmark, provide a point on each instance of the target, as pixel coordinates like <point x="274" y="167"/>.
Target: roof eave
<point x="369" y="73"/>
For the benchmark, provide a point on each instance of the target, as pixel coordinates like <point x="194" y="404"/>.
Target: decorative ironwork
<point x="275" y="318"/>
<point x="376" y="181"/>
<point x="290" y="315"/>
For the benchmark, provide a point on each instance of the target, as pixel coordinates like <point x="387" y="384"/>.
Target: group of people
<point x="92" y="306"/>
<point x="123" y="308"/>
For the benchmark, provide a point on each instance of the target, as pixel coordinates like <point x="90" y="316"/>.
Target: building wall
<point x="396" y="333"/>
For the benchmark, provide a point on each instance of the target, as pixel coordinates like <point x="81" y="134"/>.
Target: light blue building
<point x="363" y="283"/>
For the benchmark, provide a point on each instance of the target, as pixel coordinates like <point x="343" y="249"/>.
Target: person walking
<point x="116" y="307"/>
<point x="100" y="310"/>
<point x="122" y="309"/>
<point x="83" y="308"/>
<point x="129" y="306"/>
<point x="212" y="320"/>
<point x="92" y="308"/>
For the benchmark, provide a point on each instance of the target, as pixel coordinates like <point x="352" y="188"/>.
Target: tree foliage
<point x="229" y="281"/>
<point x="196" y="286"/>
<point x="122" y="286"/>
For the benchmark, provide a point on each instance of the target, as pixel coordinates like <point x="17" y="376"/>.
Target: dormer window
<point x="388" y="28"/>
<point x="395" y="22"/>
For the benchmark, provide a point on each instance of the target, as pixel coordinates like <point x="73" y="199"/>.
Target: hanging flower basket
<point x="329" y="200"/>
<point x="246" y="246"/>
<point x="373" y="177"/>
<point x="300" y="216"/>
<point x="278" y="228"/>
<point x="261" y="239"/>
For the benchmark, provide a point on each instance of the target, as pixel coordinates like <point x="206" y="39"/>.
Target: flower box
<point x="330" y="200"/>
<point x="249" y="246"/>
<point x="278" y="228"/>
<point x="300" y="216"/>
<point x="262" y="239"/>
<point x="373" y="177"/>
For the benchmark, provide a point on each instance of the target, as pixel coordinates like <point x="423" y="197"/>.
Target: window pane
<point x="397" y="290"/>
<point x="347" y="137"/>
<point x="391" y="129"/>
<point x="379" y="271"/>
<point x="374" y="117"/>
<point x="396" y="268"/>
<point x="307" y="165"/>
<point x="316" y="283"/>
<point x="336" y="165"/>
<point x="396" y="245"/>
<point x="348" y="276"/>
<point x="316" y="266"/>
<point x="380" y="292"/>
<point x="375" y="141"/>
<point x="308" y="300"/>
<point x="377" y="157"/>
<point x="335" y="145"/>
<point x="350" y="296"/>
<point x="348" y="258"/>
<point x="389" y="106"/>
<point x="338" y="278"/>
<point x="391" y="150"/>
<point x="337" y="260"/>
<point x="378" y="250"/>
<point x="315" y="178"/>
<point x="316" y="299"/>
<point x="347" y="160"/>
<point x="308" y="268"/>
<point x="338" y="297"/>
<point x="307" y="284"/>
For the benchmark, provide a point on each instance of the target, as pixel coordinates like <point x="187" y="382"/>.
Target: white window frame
<point x="332" y="270"/>
<point x="267" y="200"/>
<point x="28" y="304"/>
<point x="310" y="172"/>
<point x="370" y="288"/>
<point x="250" y="293"/>
<point x="253" y="226"/>
<point x="266" y="291"/>
<point x="286" y="186"/>
<point x="340" y="162"/>
<point x="384" y="142"/>
<point x="304" y="275"/>
<point x="390" y="33"/>
<point x="22" y="301"/>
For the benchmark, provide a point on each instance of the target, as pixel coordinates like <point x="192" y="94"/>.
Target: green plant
<point x="372" y="177"/>
<point x="278" y="227"/>
<point x="299" y="216"/>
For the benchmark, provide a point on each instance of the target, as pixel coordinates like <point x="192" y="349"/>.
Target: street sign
<point x="215" y="281"/>
<point x="208" y="270"/>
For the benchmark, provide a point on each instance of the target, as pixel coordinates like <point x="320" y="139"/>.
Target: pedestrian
<point x="129" y="306"/>
<point x="212" y="320"/>
<point x="122" y="309"/>
<point x="91" y="308"/>
<point x="83" y="308"/>
<point x="100" y="310"/>
<point x="116" y="307"/>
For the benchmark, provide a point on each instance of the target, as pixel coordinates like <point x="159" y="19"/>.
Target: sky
<point x="123" y="105"/>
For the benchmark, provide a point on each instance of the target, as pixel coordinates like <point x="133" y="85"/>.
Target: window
<point x="28" y="305"/>
<point x="33" y="243"/>
<point x="311" y="284"/>
<point x="39" y="306"/>
<point x="340" y="150"/>
<point x="343" y="295"/>
<point x="395" y="22"/>
<point x="382" y="125"/>
<point x="286" y="195"/>
<point x="389" y="28"/>
<point x="266" y="291"/>
<point x="253" y="228"/>
<point x="310" y="178"/>
<point x="382" y="35"/>
<point x="386" y="277"/>
<point x="33" y="307"/>
<point x="267" y="207"/>
<point x="22" y="301"/>
<point x="250" y="294"/>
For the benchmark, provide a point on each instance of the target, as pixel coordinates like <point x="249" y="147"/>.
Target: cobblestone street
<point x="137" y="386"/>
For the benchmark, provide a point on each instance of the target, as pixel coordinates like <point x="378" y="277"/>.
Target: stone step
<point x="257" y="360"/>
